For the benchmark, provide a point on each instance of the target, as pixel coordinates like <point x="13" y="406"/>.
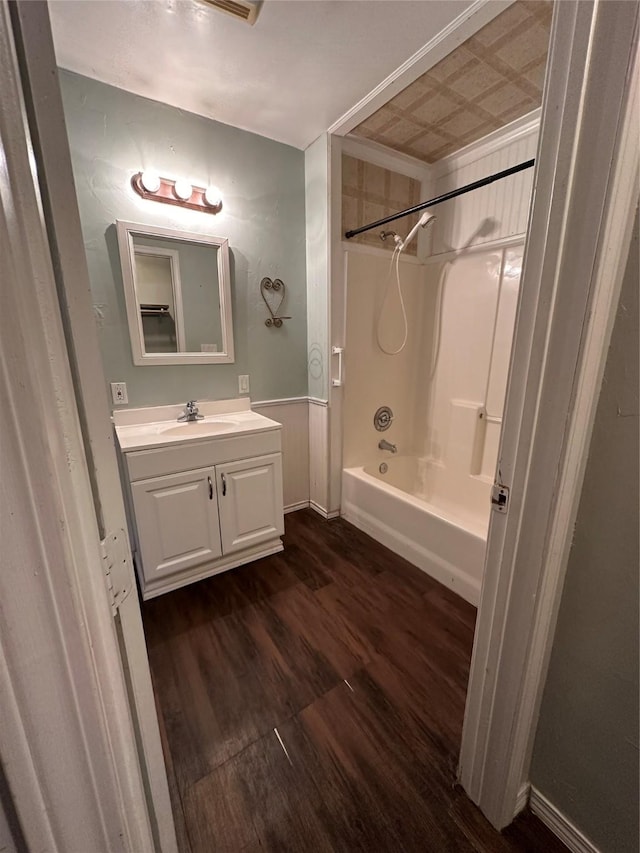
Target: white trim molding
<point x="325" y="513"/>
<point x="560" y="824"/>
<point x="295" y="507"/>
<point x="473" y="18"/>
<point x="67" y="737"/>
<point x="523" y="798"/>
<point x="521" y="128"/>
<point x="586" y="191"/>
<point x="387" y="158"/>
<point x="283" y="401"/>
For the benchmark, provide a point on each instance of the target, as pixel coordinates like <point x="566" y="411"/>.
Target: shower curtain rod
<point x="444" y="197"/>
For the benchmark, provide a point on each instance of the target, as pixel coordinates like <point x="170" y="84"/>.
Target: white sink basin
<point x="199" y="428"/>
<point x="157" y="426"/>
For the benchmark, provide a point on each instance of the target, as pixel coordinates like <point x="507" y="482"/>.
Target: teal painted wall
<point x="112" y="135"/>
<point x="585" y="758"/>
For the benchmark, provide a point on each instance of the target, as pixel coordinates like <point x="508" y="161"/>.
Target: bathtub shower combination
<point x="399" y="509"/>
<point x="422" y="486"/>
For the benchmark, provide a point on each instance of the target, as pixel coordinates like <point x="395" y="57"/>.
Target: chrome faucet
<point x="383" y="444"/>
<point x="191" y="412"/>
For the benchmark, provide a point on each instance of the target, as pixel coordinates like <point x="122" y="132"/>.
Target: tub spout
<point x="383" y="444"/>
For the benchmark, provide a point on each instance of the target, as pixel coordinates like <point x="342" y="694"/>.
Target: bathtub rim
<point x="430" y="563"/>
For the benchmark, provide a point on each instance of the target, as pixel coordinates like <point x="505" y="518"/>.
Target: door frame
<point x="585" y="194"/>
<point x="67" y="740"/>
<point x="586" y="186"/>
<point x="104" y="584"/>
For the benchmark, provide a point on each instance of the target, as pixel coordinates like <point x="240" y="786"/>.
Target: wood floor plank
<point x="345" y="743"/>
<point x="361" y="662"/>
<point x="257" y="800"/>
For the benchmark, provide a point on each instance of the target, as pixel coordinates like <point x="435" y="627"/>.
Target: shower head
<point x="424" y="220"/>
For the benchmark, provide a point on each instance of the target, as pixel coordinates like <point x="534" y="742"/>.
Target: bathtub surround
<point x="112" y="135"/>
<point x="447" y="387"/>
<point x="479" y="294"/>
<point x="372" y="378"/>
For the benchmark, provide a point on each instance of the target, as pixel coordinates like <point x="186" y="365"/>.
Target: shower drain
<point x="382" y="418"/>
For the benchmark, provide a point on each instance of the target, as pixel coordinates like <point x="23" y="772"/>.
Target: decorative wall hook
<point x="267" y="288"/>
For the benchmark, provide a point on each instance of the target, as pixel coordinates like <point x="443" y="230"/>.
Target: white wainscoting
<point x="293" y="414"/>
<point x="506" y="203"/>
<point x="318" y="456"/>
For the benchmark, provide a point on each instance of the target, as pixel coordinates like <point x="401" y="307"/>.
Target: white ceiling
<point x="289" y="77"/>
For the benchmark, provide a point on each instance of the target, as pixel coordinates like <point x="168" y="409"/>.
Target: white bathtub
<point x="390" y="507"/>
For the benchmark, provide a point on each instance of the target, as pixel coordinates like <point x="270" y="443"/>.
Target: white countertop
<point x="158" y="426"/>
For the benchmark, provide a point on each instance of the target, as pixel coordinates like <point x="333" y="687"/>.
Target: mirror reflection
<point x="178" y="295"/>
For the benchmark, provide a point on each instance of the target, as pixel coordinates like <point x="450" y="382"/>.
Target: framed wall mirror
<point x="178" y="295"/>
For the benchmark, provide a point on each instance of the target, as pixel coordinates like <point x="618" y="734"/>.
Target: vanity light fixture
<point x="150" y="180"/>
<point x="150" y="185"/>
<point x="182" y="189"/>
<point x="213" y="197"/>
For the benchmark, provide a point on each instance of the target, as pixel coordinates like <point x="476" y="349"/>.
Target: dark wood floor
<point x="313" y="701"/>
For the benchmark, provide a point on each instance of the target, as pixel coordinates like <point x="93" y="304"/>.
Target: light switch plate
<point x="119" y="393"/>
<point x="243" y="384"/>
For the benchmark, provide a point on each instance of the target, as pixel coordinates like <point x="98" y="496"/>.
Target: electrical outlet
<point x="119" y="393"/>
<point x="243" y="384"/>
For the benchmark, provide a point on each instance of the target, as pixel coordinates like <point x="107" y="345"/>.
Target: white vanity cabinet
<point x="250" y="501"/>
<point x="203" y="504"/>
<point x="177" y="522"/>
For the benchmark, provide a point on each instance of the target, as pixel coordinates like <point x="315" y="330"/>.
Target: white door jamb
<point x="585" y="192"/>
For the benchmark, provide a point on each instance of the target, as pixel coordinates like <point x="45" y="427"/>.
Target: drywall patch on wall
<point x="114" y="134"/>
<point x="585" y="758"/>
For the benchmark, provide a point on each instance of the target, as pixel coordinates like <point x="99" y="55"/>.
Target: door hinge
<point x="499" y="497"/>
<point x="116" y="562"/>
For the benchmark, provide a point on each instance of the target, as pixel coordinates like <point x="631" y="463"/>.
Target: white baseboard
<point x="325" y="513"/>
<point x="559" y="824"/>
<point x="296" y="506"/>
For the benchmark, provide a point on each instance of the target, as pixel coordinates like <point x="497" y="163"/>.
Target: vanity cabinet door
<point x="177" y="521"/>
<point x="250" y="501"/>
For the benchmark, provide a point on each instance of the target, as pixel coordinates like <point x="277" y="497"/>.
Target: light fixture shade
<point x="213" y="197"/>
<point x="182" y="189"/>
<point x="150" y="180"/>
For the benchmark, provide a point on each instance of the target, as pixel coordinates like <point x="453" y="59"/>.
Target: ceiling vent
<point x="245" y="10"/>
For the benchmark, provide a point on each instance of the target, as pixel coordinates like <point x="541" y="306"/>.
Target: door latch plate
<point x="499" y="497"/>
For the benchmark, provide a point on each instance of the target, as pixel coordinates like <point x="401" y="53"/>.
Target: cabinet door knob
<point x="210" y="489"/>
<point x="224" y="485"/>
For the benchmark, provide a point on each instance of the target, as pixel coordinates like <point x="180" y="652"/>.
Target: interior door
<point x="250" y="501"/>
<point x="43" y="101"/>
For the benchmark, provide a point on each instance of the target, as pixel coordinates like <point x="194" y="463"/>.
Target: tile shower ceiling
<point x="491" y="79"/>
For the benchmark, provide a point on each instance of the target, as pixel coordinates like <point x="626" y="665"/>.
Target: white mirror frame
<point x="126" y="232"/>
